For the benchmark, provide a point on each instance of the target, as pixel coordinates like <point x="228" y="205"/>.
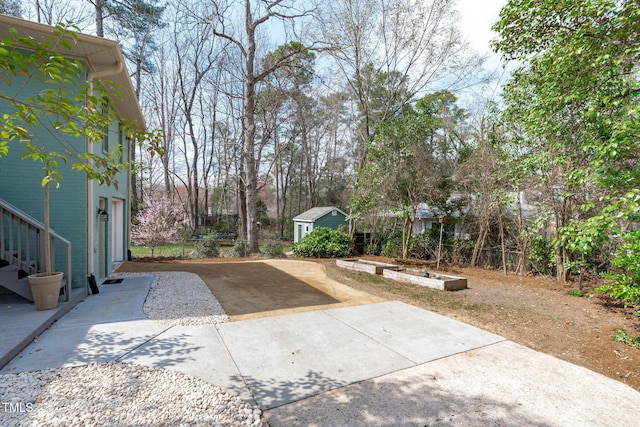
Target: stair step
<point x="9" y="279"/>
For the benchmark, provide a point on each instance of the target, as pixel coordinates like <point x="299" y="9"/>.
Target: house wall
<point x="20" y="185"/>
<point x="331" y="221"/>
<point x="103" y="248"/>
<point x="301" y="229"/>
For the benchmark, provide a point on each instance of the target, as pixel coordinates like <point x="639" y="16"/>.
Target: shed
<point x="325" y="216"/>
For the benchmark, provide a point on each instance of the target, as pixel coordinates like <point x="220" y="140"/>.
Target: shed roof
<point x="315" y="213"/>
<point x="103" y="57"/>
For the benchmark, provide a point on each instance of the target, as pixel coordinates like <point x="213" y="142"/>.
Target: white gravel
<point x="181" y="299"/>
<point x="118" y="394"/>
<point x="126" y="394"/>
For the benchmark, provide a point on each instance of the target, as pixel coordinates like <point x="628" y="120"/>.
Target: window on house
<point x="334" y="213"/>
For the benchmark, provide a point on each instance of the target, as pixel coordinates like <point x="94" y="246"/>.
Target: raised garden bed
<point x="430" y="279"/>
<point x="373" y="267"/>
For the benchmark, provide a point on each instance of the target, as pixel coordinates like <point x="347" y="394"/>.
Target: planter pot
<point x="45" y="289"/>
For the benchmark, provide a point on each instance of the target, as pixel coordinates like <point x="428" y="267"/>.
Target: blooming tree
<point x="157" y="223"/>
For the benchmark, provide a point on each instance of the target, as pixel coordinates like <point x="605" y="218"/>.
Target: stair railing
<point x="22" y="243"/>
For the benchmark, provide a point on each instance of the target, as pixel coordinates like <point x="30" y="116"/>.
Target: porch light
<point x="103" y="215"/>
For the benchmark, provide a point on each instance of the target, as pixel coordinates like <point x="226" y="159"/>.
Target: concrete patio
<point x="21" y="322"/>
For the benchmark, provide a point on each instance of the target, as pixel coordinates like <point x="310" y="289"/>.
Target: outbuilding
<point x="324" y="216"/>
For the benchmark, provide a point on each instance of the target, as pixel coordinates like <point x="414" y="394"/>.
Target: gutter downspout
<point x="91" y="212"/>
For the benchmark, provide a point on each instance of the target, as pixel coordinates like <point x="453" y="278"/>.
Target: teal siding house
<point x="90" y="221"/>
<point x="327" y="216"/>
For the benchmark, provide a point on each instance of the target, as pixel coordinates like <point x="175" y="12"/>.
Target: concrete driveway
<point x="380" y="363"/>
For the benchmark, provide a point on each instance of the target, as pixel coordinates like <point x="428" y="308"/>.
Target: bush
<point x="540" y="256"/>
<point x="392" y="246"/>
<point x="423" y="246"/>
<point x="625" y="284"/>
<point x="372" y="249"/>
<point x="323" y="242"/>
<point x="207" y="247"/>
<point x="273" y="249"/>
<point x="240" y="248"/>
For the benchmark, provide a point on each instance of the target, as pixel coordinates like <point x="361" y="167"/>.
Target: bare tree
<point x="390" y="51"/>
<point x="416" y="41"/>
<point x="255" y="15"/>
<point x="51" y="12"/>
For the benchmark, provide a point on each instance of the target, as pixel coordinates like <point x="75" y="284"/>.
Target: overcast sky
<point x="477" y="18"/>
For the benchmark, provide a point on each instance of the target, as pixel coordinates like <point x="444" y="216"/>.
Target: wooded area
<point x="270" y="107"/>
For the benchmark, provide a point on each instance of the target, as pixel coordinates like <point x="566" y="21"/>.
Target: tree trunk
<point x="47" y="232"/>
<point x="249" y="131"/>
<point x="242" y="200"/>
<point x="562" y="255"/>
<point x="99" y="19"/>
<point x="477" y="248"/>
<point x="502" y="244"/>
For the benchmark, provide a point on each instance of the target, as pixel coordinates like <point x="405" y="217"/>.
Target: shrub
<point x="392" y="246"/>
<point x="240" y="248"/>
<point x="625" y="283"/>
<point x="207" y="247"/>
<point x="273" y="249"/>
<point x="423" y="246"/>
<point x="323" y="242"/>
<point x="372" y="249"/>
<point x="540" y="255"/>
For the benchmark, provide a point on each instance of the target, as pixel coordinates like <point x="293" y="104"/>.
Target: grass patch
<point x="165" y="250"/>
<point x="183" y="249"/>
<point x="622" y="337"/>
<point x="455" y="305"/>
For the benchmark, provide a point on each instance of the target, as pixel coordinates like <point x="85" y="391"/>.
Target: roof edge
<point x="98" y="62"/>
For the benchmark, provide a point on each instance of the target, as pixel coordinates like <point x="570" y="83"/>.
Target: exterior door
<point x="117" y="230"/>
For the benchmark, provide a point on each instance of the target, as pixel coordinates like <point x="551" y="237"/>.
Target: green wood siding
<point x="331" y="221"/>
<point x="302" y="228"/>
<point x="108" y="193"/>
<point x="20" y="185"/>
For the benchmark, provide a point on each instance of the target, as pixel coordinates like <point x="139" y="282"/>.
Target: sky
<point x="477" y="17"/>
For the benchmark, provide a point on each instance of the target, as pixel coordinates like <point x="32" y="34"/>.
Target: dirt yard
<point x="532" y="311"/>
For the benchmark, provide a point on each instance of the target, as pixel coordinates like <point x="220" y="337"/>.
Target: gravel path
<point x="181" y="299"/>
<point x="126" y="394"/>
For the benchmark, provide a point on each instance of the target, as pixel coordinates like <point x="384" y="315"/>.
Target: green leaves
<point x="576" y="99"/>
<point x="323" y="242"/>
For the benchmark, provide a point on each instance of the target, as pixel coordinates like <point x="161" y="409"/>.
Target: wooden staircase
<point x="22" y="252"/>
